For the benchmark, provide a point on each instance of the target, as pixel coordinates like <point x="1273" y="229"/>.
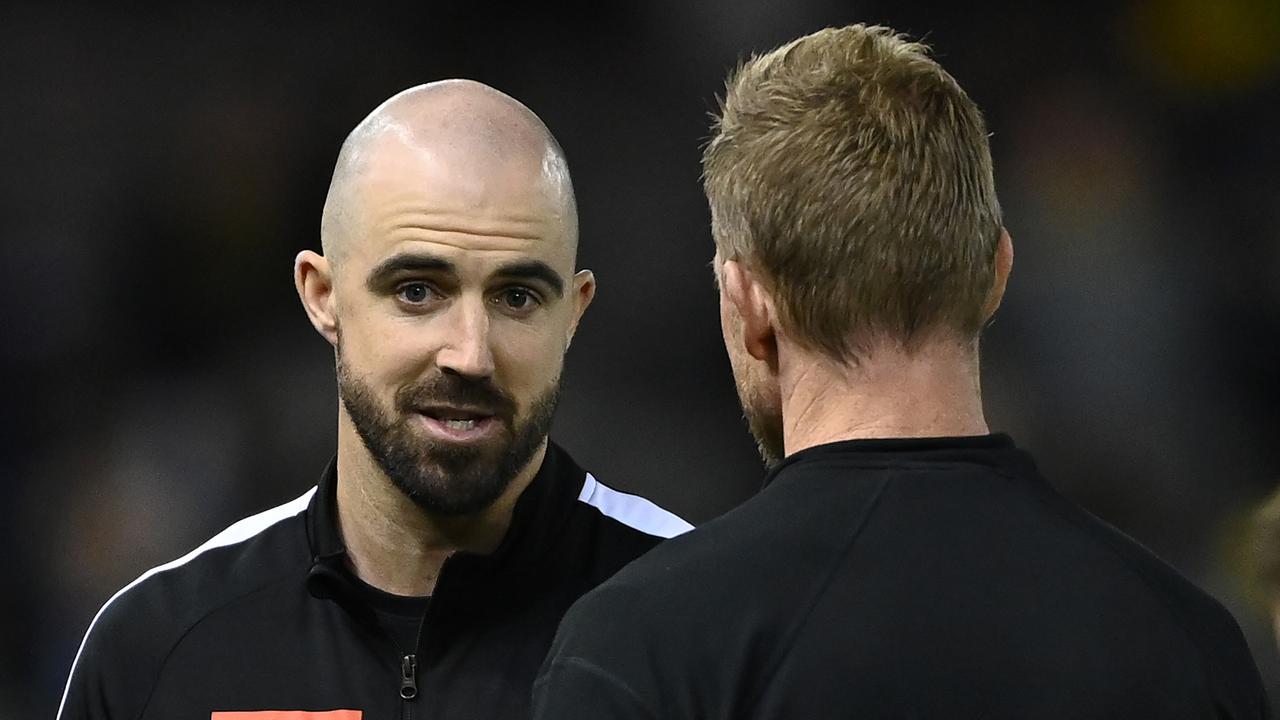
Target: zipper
<point x="408" y="682"/>
<point x="409" y="661"/>
<point x="409" y="677"/>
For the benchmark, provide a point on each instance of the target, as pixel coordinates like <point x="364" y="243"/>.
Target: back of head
<point x="853" y="172"/>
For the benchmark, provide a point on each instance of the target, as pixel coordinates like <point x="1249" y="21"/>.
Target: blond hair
<point x="855" y="173"/>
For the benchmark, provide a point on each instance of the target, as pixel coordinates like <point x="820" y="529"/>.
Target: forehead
<point x="471" y="204"/>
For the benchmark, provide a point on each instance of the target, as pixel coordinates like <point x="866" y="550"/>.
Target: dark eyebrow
<point x="533" y="270"/>
<point x="403" y="262"/>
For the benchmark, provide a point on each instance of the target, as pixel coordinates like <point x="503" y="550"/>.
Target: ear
<point x="313" y="277"/>
<point x="584" y="291"/>
<point x="1004" y="265"/>
<point x="742" y="289"/>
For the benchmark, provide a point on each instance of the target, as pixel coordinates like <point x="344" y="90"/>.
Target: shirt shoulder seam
<point x="185" y="561"/>
<point x="793" y="636"/>
<point x="192" y="626"/>
<point x="1147" y="582"/>
<point x="585" y="665"/>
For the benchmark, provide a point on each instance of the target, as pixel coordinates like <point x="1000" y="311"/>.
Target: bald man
<point x="424" y="576"/>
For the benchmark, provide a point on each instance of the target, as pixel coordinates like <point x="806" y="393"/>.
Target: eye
<point x="518" y="299"/>
<point x="415" y="293"/>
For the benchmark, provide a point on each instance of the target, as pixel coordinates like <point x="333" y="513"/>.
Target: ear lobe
<point x="1003" y="266"/>
<point x="312" y="277"/>
<point x="754" y="306"/>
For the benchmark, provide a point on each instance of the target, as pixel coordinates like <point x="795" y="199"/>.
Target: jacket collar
<point x="997" y="449"/>
<point x="537" y="520"/>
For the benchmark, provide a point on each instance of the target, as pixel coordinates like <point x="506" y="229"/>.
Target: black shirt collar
<point x="993" y="449"/>
<point x="538" y="517"/>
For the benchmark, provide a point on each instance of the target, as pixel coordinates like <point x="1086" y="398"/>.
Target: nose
<point x="466" y="350"/>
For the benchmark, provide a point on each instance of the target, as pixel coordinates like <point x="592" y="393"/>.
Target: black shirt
<point x="938" y="578"/>
<point x="399" y="616"/>
<point x="267" y="616"/>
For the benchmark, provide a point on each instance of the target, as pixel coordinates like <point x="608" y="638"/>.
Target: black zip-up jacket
<point x="267" y="618"/>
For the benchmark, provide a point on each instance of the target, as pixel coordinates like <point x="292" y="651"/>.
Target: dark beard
<point x="446" y="478"/>
<point x="766" y="427"/>
<point x="762" y="413"/>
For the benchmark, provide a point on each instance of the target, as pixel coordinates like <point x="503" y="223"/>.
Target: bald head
<point x="466" y="132"/>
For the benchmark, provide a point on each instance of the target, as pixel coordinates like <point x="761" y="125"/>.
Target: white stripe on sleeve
<point x="632" y="510"/>
<point x="239" y="531"/>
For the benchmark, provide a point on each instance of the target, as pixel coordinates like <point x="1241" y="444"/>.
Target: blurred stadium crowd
<point x="162" y="167"/>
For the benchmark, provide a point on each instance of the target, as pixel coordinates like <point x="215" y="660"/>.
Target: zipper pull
<point x="409" y="677"/>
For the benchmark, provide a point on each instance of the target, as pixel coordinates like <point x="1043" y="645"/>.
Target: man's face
<point x="758" y="393"/>
<point x="455" y="301"/>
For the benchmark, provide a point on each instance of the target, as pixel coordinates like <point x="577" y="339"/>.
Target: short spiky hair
<point x="852" y="170"/>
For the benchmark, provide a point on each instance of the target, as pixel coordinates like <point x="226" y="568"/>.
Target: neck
<point x="932" y="391"/>
<point x="396" y="545"/>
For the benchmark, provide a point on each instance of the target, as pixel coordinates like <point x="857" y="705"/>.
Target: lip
<point x="485" y="427"/>
<point x="456" y="411"/>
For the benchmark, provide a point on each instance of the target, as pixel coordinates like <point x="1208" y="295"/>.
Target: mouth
<point x="458" y="424"/>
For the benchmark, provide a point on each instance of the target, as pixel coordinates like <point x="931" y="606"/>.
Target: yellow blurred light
<point x="1207" y="47"/>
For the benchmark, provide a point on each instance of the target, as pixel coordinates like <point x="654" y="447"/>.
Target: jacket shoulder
<point x="614" y="528"/>
<point x="635" y="513"/>
<point x="1211" y="628"/>
<point x="131" y="636"/>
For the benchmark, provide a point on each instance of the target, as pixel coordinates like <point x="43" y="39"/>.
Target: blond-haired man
<point x="902" y="561"/>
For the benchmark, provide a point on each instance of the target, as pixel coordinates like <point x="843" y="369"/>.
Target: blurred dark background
<point x="162" y="166"/>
